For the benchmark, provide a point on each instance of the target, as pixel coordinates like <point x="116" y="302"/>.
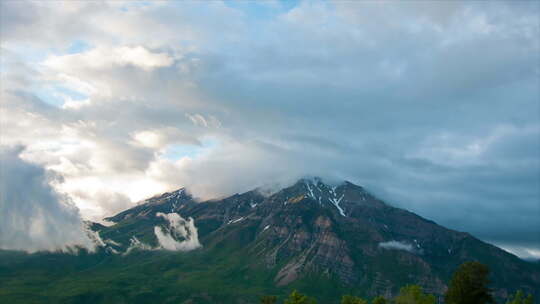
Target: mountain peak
<point x="332" y="183"/>
<point x="342" y="196"/>
<point x="180" y="192"/>
<point x="165" y="202"/>
<point x="315" y="180"/>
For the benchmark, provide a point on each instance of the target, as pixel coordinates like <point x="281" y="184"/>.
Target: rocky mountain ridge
<point x="340" y="232"/>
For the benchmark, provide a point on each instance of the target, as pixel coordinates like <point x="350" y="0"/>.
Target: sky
<point x="433" y="106"/>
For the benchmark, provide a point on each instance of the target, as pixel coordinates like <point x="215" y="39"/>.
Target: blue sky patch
<point x="175" y="152"/>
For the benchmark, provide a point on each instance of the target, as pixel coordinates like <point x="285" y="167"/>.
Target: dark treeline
<point x="468" y="285"/>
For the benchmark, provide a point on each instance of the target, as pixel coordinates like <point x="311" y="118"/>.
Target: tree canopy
<point x="519" y="298"/>
<point x="268" y="299"/>
<point x="348" y="299"/>
<point x="469" y="285"/>
<point x="413" y="294"/>
<point x="297" y="298"/>
<point x="379" y="300"/>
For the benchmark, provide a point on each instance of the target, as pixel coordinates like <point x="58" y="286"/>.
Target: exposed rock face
<point x="339" y="231"/>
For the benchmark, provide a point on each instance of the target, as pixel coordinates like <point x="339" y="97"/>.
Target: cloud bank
<point x="433" y="106"/>
<point x="33" y="216"/>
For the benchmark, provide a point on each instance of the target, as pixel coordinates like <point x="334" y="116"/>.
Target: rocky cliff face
<point x="339" y="231"/>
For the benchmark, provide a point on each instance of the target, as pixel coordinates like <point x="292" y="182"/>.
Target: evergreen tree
<point x="297" y="298"/>
<point x="379" y="300"/>
<point x="519" y="298"/>
<point x="412" y="294"/>
<point x="348" y="299"/>
<point x="268" y="299"/>
<point x="469" y="285"/>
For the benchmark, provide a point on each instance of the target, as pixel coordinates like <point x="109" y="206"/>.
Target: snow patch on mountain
<point x="236" y="220"/>
<point x="310" y="191"/>
<point x="331" y="194"/>
<point x="176" y="195"/>
<point x="180" y="235"/>
<point x="336" y="202"/>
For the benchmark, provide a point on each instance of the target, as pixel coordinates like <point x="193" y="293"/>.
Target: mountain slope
<point x="326" y="239"/>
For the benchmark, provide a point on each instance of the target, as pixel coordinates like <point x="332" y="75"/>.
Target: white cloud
<point x="199" y="120"/>
<point x="106" y="58"/>
<point x="134" y="244"/>
<point x="397" y="245"/>
<point x="524" y="252"/>
<point x="148" y="139"/>
<point x="34" y="217"/>
<point x="179" y="228"/>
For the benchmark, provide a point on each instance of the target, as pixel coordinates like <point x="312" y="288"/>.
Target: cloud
<point x="33" y="216"/>
<point x="524" y="252"/>
<point x="101" y="57"/>
<point x="179" y="228"/>
<point x="397" y="245"/>
<point x="135" y="244"/>
<point x="403" y="98"/>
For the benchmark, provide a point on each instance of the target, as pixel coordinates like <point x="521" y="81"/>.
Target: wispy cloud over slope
<point x="397" y="246"/>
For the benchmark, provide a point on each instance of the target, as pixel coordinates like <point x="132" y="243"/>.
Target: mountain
<point x="323" y="239"/>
